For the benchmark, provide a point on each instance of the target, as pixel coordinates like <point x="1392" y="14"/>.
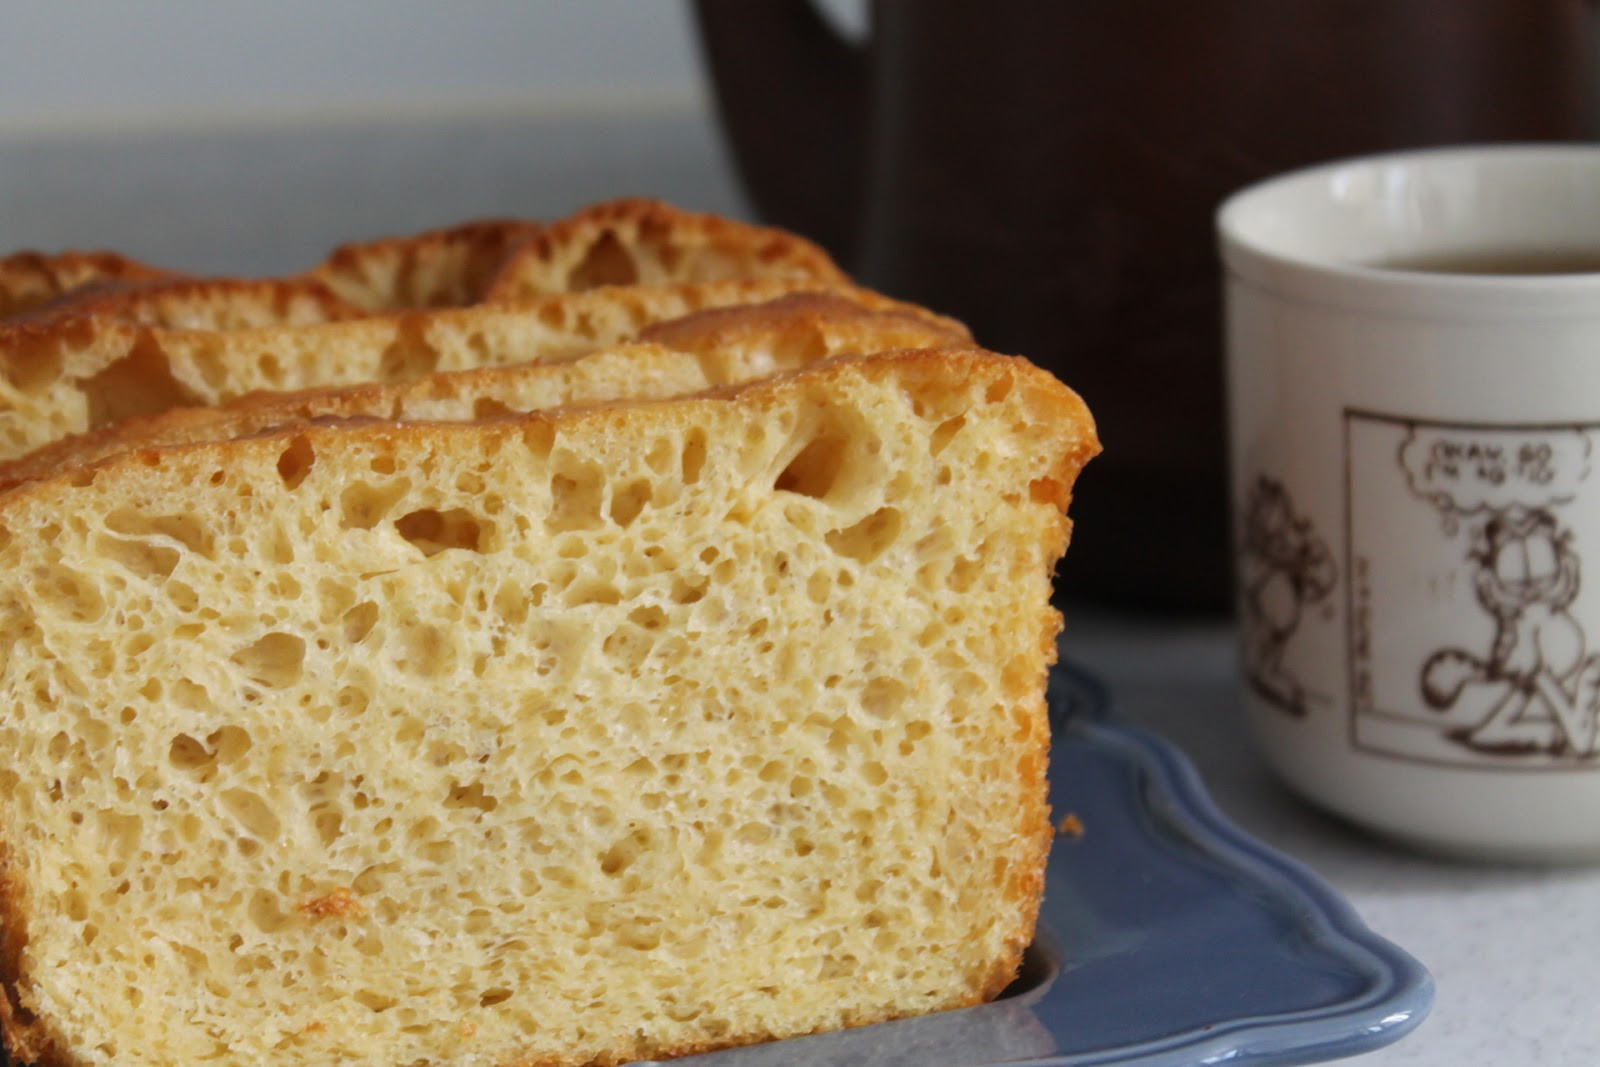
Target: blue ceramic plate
<point x="1167" y="938"/>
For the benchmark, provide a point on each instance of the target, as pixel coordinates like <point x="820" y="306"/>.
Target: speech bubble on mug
<point x="1465" y="471"/>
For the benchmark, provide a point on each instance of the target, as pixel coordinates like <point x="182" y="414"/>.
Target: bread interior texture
<point x="608" y="734"/>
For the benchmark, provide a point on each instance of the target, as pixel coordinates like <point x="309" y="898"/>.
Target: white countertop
<point x="1515" y="952"/>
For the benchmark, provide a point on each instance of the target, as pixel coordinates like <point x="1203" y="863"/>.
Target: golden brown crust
<point x="120" y="368"/>
<point x="810" y="316"/>
<point x="213" y="304"/>
<point x="29" y="280"/>
<point x="640" y="241"/>
<point x="1062" y="404"/>
<point x="446" y="267"/>
<point x="25" y="1037"/>
<point x="733" y="343"/>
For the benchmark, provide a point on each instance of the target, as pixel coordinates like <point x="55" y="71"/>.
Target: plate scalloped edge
<point x="1401" y="991"/>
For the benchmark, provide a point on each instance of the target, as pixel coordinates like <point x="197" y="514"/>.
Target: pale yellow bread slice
<point x="31" y="280"/>
<point x="438" y="268"/>
<point x="647" y="242"/>
<point x="709" y="348"/>
<point x="617" y="732"/>
<point x="82" y="373"/>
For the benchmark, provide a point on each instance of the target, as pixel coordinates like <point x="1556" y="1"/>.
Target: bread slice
<point x="438" y="268"/>
<point x="647" y="242"/>
<point x="76" y="375"/>
<point x="205" y="304"/>
<point x="705" y="349"/>
<point x="30" y="280"/>
<point x="617" y="732"/>
<point x="619" y="242"/>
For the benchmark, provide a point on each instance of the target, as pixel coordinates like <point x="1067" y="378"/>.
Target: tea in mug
<point x="1500" y="261"/>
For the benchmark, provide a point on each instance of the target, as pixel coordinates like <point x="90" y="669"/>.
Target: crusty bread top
<point x="217" y="304"/>
<point x="647" y="242"/>
<point x="438" y="268"/>
<point x="30" y="280"/>
<point x="374" y="742"/>
<point x="86" y="372"/>
<point x="709" y="348"/>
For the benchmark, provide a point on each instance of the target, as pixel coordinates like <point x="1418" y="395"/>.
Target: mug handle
<point x="793" y="96"/>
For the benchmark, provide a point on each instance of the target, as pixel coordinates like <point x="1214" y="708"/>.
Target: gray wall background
<point x="247" y="138"/>
<point x="73" y="66"/>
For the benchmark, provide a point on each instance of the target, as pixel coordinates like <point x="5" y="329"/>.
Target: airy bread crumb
<point x="609" y="733"/>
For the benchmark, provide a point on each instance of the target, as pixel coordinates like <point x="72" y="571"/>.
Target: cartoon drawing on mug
<point x="1286" y="566"/>
<point x="1466" y="548"/>
<point x="1526" y="576"/>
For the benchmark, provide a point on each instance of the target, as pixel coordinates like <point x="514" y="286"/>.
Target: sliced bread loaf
<point x="709" y="348"/>
<point x="619" y="732"/>
<point x="77" y="375"/>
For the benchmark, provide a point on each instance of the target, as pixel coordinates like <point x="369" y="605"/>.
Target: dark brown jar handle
<point x="793" y="97"/>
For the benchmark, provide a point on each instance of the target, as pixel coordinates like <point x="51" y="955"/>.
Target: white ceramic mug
<point x="1414" y="381"/>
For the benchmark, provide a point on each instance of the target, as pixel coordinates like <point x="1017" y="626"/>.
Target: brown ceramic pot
<point x="1047" y="171"/>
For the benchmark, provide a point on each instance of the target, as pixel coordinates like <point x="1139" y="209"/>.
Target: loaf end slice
<point x="613" y="733"/>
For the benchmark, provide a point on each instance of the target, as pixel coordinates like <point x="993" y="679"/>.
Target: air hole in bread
<point x="275" y="660"/>
<point x="253" y="814"/>
<point x="576" y="495"/>
<point x="868" y="539"/>
<point x="693" y="458"/>
<point x="377" y="1002"/>
<point x="814" y="469"/>
<point x="434" y="531"/>
<point x="295" y="462"/>
<point x="882" y="697"/>
<point x="627" y="647"/>
<point x="942" y="435"/>
<point x="487" y="407"/>
<point x="187" y="530"/>
<point x="624" y="852"/>
<point x="358" y="621"/>
<point x="140" y="557"/>
<point x="426" y="651"/>
<point x="140" y="383"/>
<point x="607" y="262"/>
<point x="643" y="935"/>
<point x="964" y="572"/>
<point x="187" y="754"/>
<point x="629" y="501"/>
<point x="228" y="743"/>
<point x="409" y="356"/>
<point x="470" y="795"/>
<point x="265" y="911"/>
<point x="66" y="592"/>
<point x="592" y="591"/>
<point x="363" y="505"/>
